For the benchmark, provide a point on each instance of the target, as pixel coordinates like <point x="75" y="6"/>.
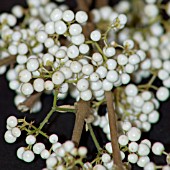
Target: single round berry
<point x="133" y="147"/>
<point x="38" y="84"/>
<point x="143" y="149"/>
<point x="20" y="151"/>
<point x="16" y="132"/>
<point x="95" y="35"/>
<point x="106" y="158"/>
<point x="123" y="140"/>
<point x="9" y="138"/>
<point x="134" y="134"/>
<point x="68" y="146"/>
<point x="12" y="121"/>
<point x="30" y="139"/>
<point x="81" y="17"/>
<point x="38" y="148"/>
<point x="53" y="138"/>
<point x="158" y="148"/>
<point x="82" y="85"/>
<point x="68" y="16"/>
<point x="132" y="158"/>
<point x="86" y="95"/>
<point x="51" y="162"/>
<point x="27" y="88"/>
<point x="162" y="93"/>
<point x="28" y="156"/>
<point x="60" y="27"/>
<point x="58" y="78"/>
<point x="45" y="154"/>
<point x="82" y="151"/>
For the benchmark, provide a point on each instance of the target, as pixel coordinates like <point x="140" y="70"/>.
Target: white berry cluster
<point x="90" y="73"/>
<point x="55" y="156"/>
<point x="13" y="132"/>
<point x="138" y="109"/>
<point x="58" y="159"/>
<point x="108" y="14"/>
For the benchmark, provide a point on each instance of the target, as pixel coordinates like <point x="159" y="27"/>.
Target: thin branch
<point x="46" y="119"/>
<point x="65" y="108"/>
<point x="83" y="5"/>
<point x="89" y="2"/>
<point x="83" y="110"/>
<point x="101" y="3"/>
<point x="113" y="131"/>
<point x="94" y="137"/>
<point x="29" y="102"/>
<point x="88" y="28"/>
<point x="7" y="60"/>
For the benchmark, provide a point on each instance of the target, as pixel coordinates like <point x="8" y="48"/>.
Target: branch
<point x="83" y="5"/>
<point x="101" y="3"/>
<point x="7" y="60"/>
<point x="65" y="108"/>
<point x="88" y="28"/>
<point x="29" y="102"/>
<point x="83" y="110"/>
<point x="89" y="2"/>
<point x="113" y="131"/>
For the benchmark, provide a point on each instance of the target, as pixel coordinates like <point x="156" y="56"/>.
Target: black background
<point x="62" y="124"/>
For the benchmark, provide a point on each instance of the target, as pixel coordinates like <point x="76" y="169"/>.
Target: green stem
<point x="35" y="129"/>
<point x="159" y="167"/>
<point x="149" y="84"/>
<point x="106" y="34"/>
<point x="79" y="162"/>
<point x="94" y="137"/>
<point x="40" y="132"/>
<point x="89" y="42"/>
<point x="71" y="81"/>
<point x="97" y="104"/>
<point x="51" y="111"/>
<point x="152" y="79"/>
<point x="65" y="110"/>
<point x="55" y="98"/>
<point x="46" y="119"/>
<point x="100" y="50"/>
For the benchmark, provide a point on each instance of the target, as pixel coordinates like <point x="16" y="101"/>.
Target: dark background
<point x="61" y="124"/>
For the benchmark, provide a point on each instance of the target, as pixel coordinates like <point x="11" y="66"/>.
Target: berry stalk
<point x="94" y="137"/>
<point x="53" y="109"/>
<point x="113" y="131"/>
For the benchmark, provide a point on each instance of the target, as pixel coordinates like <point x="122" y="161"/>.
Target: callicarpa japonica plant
<point x="103" y="56"/>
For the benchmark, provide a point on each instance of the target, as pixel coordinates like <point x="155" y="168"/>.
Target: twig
<point x="53" y="109"/>
<point x="101" y="3"/>
<point x="88" y="28"/>
<point x="113" y="131"/>
<point x="65" y="108"/>
<point x="29" y="102"/>
<point x="7" y="60"/>
<point x="89" y="2"/>
<point x="94" y="137"/>
<point x="83" y="5"/>
<point x="83" y="110"/>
